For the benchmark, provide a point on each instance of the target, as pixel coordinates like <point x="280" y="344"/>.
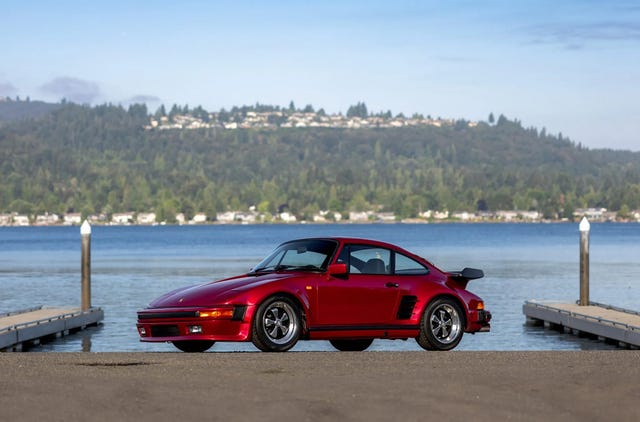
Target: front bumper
<point x="173" y="324"/>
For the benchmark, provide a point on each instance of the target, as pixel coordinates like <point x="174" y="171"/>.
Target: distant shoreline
<point x="329" y="223"/>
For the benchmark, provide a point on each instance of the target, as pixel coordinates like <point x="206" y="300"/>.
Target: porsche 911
<point x="345" y="290"/>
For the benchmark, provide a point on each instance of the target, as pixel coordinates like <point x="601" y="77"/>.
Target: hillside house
<point x="21" y="220"/>
<point x="124" y="218"/>
<point x="199" y="218"/>
<point x="72" y="219"/>
<point x="47" y="219"/>
<point x="146" y="218"/>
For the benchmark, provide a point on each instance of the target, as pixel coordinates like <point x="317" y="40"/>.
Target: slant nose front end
<point x="223" y="323"/>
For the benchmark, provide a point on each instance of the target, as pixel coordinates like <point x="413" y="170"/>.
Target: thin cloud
<point x="73" y="89"/>
<point x="577" y="36"/>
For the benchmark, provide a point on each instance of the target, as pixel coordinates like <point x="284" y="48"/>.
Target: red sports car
<point x="348" y="291"/>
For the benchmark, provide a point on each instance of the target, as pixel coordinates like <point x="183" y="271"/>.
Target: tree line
<point x="100" y="160"/>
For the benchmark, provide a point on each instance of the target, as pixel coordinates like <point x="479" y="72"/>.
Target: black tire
<point x="442" y="325"/>
<point x="276" y="325"/>
<point x="352" y="345"/>
<point x="194" y="346"/>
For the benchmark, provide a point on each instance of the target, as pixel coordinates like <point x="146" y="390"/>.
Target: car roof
<point x="356" y="240"/>
<point x="363" y="241"/>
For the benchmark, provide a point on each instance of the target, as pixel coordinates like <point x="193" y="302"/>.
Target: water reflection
<point x="567" y="340"/>
<point x="86" y="343"/>
<point x="537" y="338"/>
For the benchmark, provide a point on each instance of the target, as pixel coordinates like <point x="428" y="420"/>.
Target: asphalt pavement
<point x="321" y="386"/>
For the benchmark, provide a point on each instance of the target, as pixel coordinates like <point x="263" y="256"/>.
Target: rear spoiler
<point x="467" y="274"/>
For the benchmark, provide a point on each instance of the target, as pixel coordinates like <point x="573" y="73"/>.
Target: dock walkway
<point x="30" y="327"/>
<point x="608" y="323"/>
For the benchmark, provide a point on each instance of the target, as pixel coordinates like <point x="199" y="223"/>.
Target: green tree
<point x="358" y="110"/>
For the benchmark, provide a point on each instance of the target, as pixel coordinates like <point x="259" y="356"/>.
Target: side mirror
<point x="337" y="269"/>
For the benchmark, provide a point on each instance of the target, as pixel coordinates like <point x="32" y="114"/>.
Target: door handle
<point x="391" y="284"/>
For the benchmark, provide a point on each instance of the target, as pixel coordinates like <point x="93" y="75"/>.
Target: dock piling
<point x="21" y="330"/>
<point x="584" y="228"/>
<point x="584" y="318"/>
<point x="85" y="232"/>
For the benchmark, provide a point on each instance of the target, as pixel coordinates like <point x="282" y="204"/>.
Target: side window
<point x="408" y="266"/>
<point x="369" y="260"/>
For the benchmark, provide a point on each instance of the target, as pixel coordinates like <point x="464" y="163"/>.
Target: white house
<point x="20" y="220"/>
<point x="47" y="219"/>
<point x="97" y="218"/>
<point x="591" y="213"/>
<point x="386" y="216"/>
<point x="441" y="215"/>
<point x="199" y="218"/>
<point x="72" y="219"/>
<point x="226" y="217"/>
<point x="507" y="215"/>
<point x="358" y="216"/>
<point x="246" y="217"/>
<point x="530" y="215"/>
<point x="146" y="218"/>
<point x="122" y="218"/>
<point x="463" y="216"/>
<point x="287" y="217"/>
<point x="6" y="219"/>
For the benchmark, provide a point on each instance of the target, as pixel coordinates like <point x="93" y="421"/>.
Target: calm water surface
<point x="133" y="265"/>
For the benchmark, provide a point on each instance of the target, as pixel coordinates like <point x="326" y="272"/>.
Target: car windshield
<point x="305" y="255"/>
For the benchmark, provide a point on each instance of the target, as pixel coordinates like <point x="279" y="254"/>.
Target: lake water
<point x="133" y="265"/>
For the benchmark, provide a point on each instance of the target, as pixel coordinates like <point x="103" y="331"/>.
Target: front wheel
<point x="276" y="326"/>
<point x="352" y="345"/>
<point x="442" y="325"/>
<point x="194" y="346"/>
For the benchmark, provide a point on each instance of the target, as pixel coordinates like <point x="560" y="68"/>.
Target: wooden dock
<point x="606" y="323"/>
<point x="29" y="327"/>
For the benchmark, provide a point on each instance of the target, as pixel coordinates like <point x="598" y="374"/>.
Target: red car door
<point x="367" y="296"/>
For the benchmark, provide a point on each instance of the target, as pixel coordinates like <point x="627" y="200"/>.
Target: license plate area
<point x="165" y="331"/>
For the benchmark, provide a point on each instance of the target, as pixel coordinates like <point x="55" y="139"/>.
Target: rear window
<point x="409" y="266"/>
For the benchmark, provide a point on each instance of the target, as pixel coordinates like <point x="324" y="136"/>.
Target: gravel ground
<point x="323" y="386"/>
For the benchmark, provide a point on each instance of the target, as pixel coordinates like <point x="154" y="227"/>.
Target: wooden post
<point x="584" y="261"/>
<point x="85" y="232"/>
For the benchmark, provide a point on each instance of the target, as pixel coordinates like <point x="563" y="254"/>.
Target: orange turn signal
<point x="480" y="306"/>
<point x="217" y="313"/>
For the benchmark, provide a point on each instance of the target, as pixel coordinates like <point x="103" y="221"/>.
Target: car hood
<point x="215" y="292"/>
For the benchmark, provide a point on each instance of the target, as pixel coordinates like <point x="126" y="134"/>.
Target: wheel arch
<point x="301" y="302"/>
<point x="456" y="299"/>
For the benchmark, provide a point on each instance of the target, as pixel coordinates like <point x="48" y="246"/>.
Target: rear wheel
<point x="442" y="325"/>
<point x="194" y="346"/>
<point x="276" y="325"/>
<point x="352" y="345"/>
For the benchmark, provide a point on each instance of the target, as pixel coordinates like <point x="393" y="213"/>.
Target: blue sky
<point x="568" y="66"/>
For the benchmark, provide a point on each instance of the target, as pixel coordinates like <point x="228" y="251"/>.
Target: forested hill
<point x="17" y="110"/>
<point x="102" y="160"/>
